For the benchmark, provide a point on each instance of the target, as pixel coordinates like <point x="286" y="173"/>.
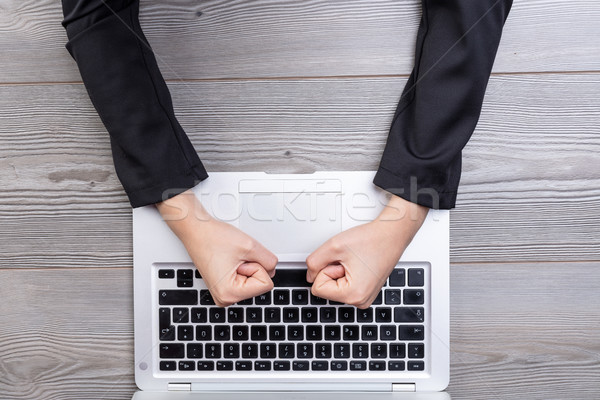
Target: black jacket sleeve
<point x="441" y="103"/>
<point x="154" y="159"/>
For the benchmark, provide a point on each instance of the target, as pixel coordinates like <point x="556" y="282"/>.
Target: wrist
<point x="183" y="213"/>
<point x="402" y="218"/>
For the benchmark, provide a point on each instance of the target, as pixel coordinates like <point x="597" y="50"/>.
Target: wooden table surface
<point x="296" y="86"/>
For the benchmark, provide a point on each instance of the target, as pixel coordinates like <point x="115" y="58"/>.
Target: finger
<point x="264" y="257"/>
<point x="251" y="280"/>
<point x="331" y="283"/>
<point x="319" y="259"/>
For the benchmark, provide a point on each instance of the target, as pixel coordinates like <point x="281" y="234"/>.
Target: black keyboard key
<point x="416" y="366"/>
<point x="203" y="333"/>
<point x="323" y="350"/>
<point x="335" y="303"/>
<point x="168" y="366"/>
<point x="281" y="365"/>
<point x="178" y="297"/>
<point x="235" y="314"/>
<point x="416" y="277"/>
<point x="205" y="365"/>
<point x="358" y="366"/>
<point x="231" y="350"/>
<point x="360" y="350"/>
<point x="393" y="296"/>
<point x="339" y="365"/>
<point x="346" y="314"/>
<point x="300" y="365"/>
<point x="164" y="318"/>
<point x="222" y="332"/>
<point x="300" y="296"/>
<point x="262" y="365"/>
<point x="397" y="350"/>
<point x="272" y="314"/>
<point x="396" y="365"/>
<point x="411" y="332"/>
<point x="378" y="350"/>
<point x="224" y="365"/>
<point x="327" y="314"/>
<point x="414" y="296"/>
<point x="314" y="332"/>
<point x="409" y="314"/>
<point x="212" y="350"/>
<point x="320" y="365"/>
<point x="246" y="302"/>
<point x="167" y="334"/>
<point x="240" y="332"/>
<point x="276" y="332"/>
<point x="194" y="350"/>
<point x="376" y="365"/>
<point x="317" y="301"/>
<point x="351" y="332"/>
<point x="206" y="298"/>
<point x="387" y="332"/>
<point x="383" y="314"/>
<point x="332" y="332"/>
<point x="181" y="315"/>
<point x="341" y="350"/>
<point x="185" y="278"/>
<point x="378" y="300"/>
<point x="416" y="350"/>
<point x="364" y="315"/>
<point x="287" y="350"/>
<point x="258" y="333"/>
<point x="253" y="314"/>
<point x="249" y="350"/>
<point x="187" y="365"/>
<point x="304" y="350"/>
<point x="281" y="297"/>
<point x="268" y="350"/>
<point x="295" y="332"/>
<point x="369" y="332"/>
<point x="291" y="314"/>
<point x="171" y="350"/>
<point x="309" y="314"/>
<point x="217" y="314"/>
<point x="398" y="277"/>
<point x="263" y="299"/>
<point x="290" y="277"/>
<point x="185" y="332"/>
<point x="243" y="365"/>
<point x="199" y="315"/>
<point x="197" y="274"/>
<point x="166" y="273"/>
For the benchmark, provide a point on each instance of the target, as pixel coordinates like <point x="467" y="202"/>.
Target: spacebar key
<point x="177" y="297"/>
<point x="290" y="277"/>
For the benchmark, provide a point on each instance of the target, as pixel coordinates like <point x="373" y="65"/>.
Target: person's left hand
<point x="352" y="266"/>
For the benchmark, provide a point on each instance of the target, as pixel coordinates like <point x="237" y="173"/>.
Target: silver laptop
<point x="288" y="343"/>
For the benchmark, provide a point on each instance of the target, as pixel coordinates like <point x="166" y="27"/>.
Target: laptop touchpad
<point x="291" y="216"/>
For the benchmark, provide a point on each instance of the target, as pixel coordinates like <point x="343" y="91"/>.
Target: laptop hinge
<point x="180" y="387"/>
<point x="404" y="387"/>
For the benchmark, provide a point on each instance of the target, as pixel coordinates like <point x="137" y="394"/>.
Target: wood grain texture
<point x="217" y="38"/>
<point x="530" y="189"/>
<point x="523" y="328"/>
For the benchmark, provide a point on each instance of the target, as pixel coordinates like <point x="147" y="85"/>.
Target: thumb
<point x="251" y="280"/>
<point x="331" y="283"/>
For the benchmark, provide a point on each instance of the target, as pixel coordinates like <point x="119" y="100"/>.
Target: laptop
<point x="288" y="343"/>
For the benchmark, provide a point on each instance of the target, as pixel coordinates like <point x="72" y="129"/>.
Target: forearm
<point x="441" y="103"/>
<point x="153" y="156"/>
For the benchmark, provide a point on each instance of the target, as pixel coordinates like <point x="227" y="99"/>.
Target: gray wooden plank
<point x="521" y="328"/>
<point x="296" y="38"/>
<point x="531" y="181"/>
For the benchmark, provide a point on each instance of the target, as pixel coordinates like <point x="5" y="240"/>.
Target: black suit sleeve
<point x="153" y="157"/>
<point x="441" y="103"/>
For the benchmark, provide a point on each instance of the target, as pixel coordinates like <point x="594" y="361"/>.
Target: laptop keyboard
<point x="289" y="329"/>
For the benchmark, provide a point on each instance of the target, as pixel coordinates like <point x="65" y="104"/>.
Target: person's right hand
<point x="234" y="266"/>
